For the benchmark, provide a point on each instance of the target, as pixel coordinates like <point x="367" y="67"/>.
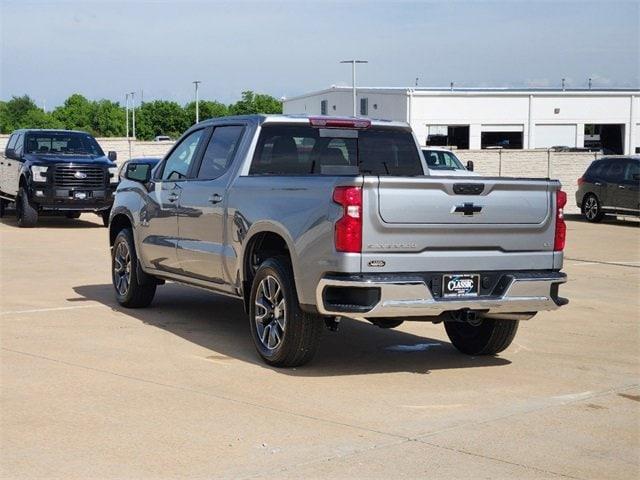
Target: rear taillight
<point x="581" y="181"/>
<point x="561" y="227"/>
<point x="348" y="230"/>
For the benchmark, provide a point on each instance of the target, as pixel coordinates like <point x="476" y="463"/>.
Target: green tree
<point x="207" y="109"/>
<point x="255" y="103"/>
<point x="160" y="117"/>
<point x="77" y="113"/>
<point x="108" y="119"/>
<point x="40" y="119"/>
<point x="14" y="112"/>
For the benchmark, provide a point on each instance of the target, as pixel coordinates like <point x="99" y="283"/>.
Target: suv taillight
<point x="561" y="227"/>
<point x="581" y="181"/>
<point x="348" y="230"/>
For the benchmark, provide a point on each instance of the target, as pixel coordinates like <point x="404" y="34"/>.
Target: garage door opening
<point x="501" y="140"/>
<point x="608" y="138"/>
<point x="448" y="136"/>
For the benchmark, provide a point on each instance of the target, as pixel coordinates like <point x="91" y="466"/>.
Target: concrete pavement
<point x="90" y="390"/>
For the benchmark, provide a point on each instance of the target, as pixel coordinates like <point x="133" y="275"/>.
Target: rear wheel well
<point x="260" y="247"/>
<point x="118" y="223"/>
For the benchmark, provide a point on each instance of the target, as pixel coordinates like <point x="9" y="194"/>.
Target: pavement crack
<point x="212" y="395"/>
<point x="487" y="457"/>
<point x="558" y="402"/>
<point x="602" y="262"/>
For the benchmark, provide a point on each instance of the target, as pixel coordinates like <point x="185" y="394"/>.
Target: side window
<point x="596" y="170"/>
<point x="364" y="106"/>
<point x="615" y="171"/>
<point x="19" y="143"/>
<point x="178" y="163"/>
<point x="220" y="151"/>
<point x="324" y="107"/>
<point x="12" y="141"/>
<point x="632" y="171"/>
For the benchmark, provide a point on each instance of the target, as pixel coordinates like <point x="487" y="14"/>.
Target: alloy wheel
<point x="122" y="268"/>
<point x="270" y="312"/>
<point x="591" y="208"/>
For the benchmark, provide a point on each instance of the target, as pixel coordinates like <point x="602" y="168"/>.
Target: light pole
<point x="133" y="113"/>
<point x="196" y="83"/>
<point x="353" y="81"/>
<point x="126" y="113"/>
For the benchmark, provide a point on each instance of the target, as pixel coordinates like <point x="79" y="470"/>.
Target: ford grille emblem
<point x="80" y="175"/>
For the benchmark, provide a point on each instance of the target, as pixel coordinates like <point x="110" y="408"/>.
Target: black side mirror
<point x="113" y="156"/>
<point x="470" y="165"/>
<point x="138" y="172"/>
<point x="10" y="153"/>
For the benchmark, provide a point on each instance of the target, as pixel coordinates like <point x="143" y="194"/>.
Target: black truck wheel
<point x="488" y="337"/>
<point x="283" y="334"/>
<point x="25" y="213"/>
<point x="3" y="206"/>
<point x="130" y="291"/>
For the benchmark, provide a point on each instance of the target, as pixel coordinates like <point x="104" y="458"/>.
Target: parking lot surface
<point x="90" y="390"/>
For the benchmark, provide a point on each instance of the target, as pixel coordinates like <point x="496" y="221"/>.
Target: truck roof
<point x="60" y="130"/>
<point x="303" y="119"/>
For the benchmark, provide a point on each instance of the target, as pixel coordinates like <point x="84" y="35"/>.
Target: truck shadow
<point x="56" y="221"/>
<point x="220" y="325"/>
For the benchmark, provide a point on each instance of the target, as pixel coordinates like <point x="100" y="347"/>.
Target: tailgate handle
<point x="468" y="188"/>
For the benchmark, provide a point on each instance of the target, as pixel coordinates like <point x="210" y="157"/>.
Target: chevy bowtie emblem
<point x="80" y="175"/>
<point x="467" y="209"/>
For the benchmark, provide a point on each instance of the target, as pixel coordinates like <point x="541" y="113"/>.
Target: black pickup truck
<point x="56" y="170"/>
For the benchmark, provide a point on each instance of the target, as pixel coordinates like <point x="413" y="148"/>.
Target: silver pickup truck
<point x="309" y="220"/>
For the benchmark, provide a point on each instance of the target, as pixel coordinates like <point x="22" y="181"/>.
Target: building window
<point x="448" y="136"/>
<point x="323" y="107"/>
<point x="511" y="140"/>
<point x="364" y="106"/>
<point x="606" y="138"/>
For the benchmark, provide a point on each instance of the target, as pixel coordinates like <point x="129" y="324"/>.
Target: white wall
<point x="484" y="110"/>
<point x="388" y="106"/>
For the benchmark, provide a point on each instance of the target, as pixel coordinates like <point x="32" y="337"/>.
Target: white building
<point x="485" y="118"/>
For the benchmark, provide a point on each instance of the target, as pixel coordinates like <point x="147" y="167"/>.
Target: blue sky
<point x="102" y="49"/>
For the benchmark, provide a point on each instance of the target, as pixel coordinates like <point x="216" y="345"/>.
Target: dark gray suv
<point x="610" y="185"/>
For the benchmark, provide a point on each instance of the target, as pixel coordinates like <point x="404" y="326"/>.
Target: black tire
<point x="25" y="213"/>
<point x="124" y="268"/>
<point x="592" y="209"/>
<point x="72" y="215"/>
<point x="3" y="206"/>
<point x="104" y="214"/>
<point x="293" y="335"/>
<point x="487" y="338"/>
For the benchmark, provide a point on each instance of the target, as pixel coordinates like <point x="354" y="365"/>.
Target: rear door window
<point x="631" y="171"/>
<point x="305" y="150"/>
<point x="615" y="171"/>
<point x="220" y="151"/>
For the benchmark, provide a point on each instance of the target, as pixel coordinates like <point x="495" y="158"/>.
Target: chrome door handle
<point x="173" y="197"/>
<point x="621" y="187"/>
<point x="215" y="198"/>
<point x="597" y="184"/>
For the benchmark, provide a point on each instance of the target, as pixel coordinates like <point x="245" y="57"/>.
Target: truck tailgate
<point x="458" y="224"/>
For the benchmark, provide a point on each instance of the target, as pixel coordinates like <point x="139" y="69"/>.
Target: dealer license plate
<point x="80" y="195"/>
<point x="460" y="285"/>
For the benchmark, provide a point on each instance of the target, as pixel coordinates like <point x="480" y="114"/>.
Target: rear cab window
<point x="306" y="150"/>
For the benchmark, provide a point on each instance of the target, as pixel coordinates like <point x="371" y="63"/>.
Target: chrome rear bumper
<point x="410" y="297"/>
